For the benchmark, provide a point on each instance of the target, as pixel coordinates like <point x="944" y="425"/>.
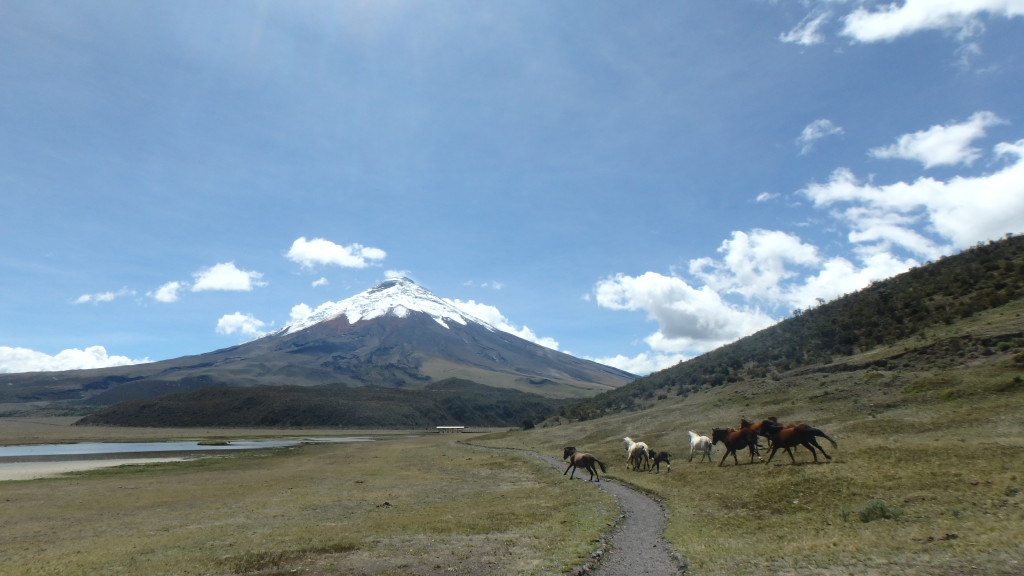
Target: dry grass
<point x="404" y="505"/>
<point x="927" y="479"/>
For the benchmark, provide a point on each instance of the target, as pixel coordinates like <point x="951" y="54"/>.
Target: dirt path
<point x="636" y="546"/>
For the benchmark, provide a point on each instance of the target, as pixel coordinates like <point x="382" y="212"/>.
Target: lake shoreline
<point x="35" y="470"/>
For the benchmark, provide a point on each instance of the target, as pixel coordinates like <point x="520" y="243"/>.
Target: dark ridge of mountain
<point x="448" y="402"/>
<point x="396" y="334"/>
<point x="841" y="335"/>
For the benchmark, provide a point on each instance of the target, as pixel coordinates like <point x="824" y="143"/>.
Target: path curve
<point x="637" y="546"/>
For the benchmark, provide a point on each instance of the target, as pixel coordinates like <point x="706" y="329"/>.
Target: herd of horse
<point x="640" y="456"/>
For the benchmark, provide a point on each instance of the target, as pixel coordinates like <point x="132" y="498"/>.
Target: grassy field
<point x="405" y="504"/>
<point x="927" y="479"/>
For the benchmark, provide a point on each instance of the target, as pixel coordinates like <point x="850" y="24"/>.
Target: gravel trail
<point x="636" y="546"/>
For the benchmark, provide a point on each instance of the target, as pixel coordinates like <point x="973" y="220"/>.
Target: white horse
<point x="637" y="453"/>
<point x="699" y="444"/>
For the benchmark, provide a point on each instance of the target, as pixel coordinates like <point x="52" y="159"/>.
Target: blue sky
<point x="634" y="184"/>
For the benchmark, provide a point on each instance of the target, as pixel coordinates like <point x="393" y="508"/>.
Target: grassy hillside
<point x="927" y="478"/>
<point x="840" y="334"/>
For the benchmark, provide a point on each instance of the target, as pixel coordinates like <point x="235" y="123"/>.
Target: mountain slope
<point x="396" y="334"/>
<point x="841" y="335"/>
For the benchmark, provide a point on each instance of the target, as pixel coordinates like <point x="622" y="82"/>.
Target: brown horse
<point x="755" y="431"/>
<point x="581" y="459"/>
<point x="734" y="440"/>
<point x="658" y="458"/>
<point x="794" y="435"/>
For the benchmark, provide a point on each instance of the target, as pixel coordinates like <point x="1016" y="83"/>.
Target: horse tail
<point x="599" y="463"/>
<point x="817" y="432"/>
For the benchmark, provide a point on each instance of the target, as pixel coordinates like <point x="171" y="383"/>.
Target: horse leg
<point x="791" y="457"/>
<point x="827" y="457"/>
<point x="814" y="442"/>
<point x="775" y="448"/>
<point x="573" y="466"/>
<point x="724" y="456"/>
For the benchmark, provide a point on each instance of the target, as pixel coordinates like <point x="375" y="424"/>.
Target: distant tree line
<point x="447" y="402"/>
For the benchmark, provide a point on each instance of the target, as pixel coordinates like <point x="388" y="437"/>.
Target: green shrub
<point x="879" y="510"/>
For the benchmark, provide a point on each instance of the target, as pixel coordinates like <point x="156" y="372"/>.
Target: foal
<point x="582" y="459"/>
<point x="658" y="458"/>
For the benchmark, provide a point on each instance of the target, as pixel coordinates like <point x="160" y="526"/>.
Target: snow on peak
<point x="397" y="297"/>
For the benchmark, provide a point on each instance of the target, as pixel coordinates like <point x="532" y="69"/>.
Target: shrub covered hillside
<point x="981" y="278"/>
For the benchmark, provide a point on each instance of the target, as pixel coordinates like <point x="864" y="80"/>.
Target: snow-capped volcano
<point x="397" y="297"/>
<point x="396" y="334"/>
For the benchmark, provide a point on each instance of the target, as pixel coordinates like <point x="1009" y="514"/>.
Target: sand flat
<point x="34" y="470"/>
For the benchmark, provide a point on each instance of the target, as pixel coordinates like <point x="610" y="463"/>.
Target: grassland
<point x="405" y="504"/>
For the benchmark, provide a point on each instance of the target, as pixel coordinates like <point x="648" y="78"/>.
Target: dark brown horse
<point x="755" y="431"/>
<point x="734" y="440"/>
<point x="583" y="460"/>
<point x="794" y="435"/>
<point x="658" y="458"/>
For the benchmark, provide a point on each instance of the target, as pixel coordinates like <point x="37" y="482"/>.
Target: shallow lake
<point x="94" y="449"/>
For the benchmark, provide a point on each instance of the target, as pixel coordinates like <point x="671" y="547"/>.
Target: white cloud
<point x="310" y="253"/>
<point x="104" y="296"/>
<point x="839" y="276"/>
<point x="808" y="31"/>
<point x="168" y="292"/>
<point x="690" y="320"/>
<point x="962" y="210"/>
<point x="25" y="360"/>
<point x="893" y="21"/>
<point x="493" y="285"/>
<point x="643" y="363"/>
<point x="495" y="318"/>
<point x="941" y="145"/>
<point x="394" y="274"/>
<point x="756" y="265"/>
<point x="300" y="312"/>
<point x="226" y="276"/>
<point x="321" y="282"/>
<point x="240" y="323"/>
<point x="821" y="128"/>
